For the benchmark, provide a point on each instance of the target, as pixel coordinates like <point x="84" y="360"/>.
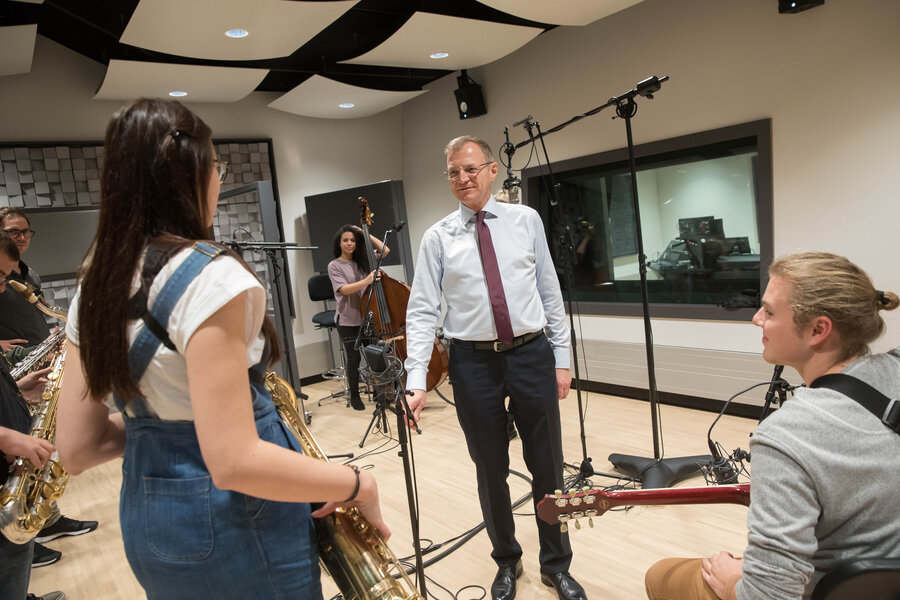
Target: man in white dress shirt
<point x="489" y="362"/>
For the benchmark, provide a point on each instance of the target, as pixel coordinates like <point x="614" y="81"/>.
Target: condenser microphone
<point x="720" y="468"/>
<point x="525" y="120"/>
<point x="512" y="185"/>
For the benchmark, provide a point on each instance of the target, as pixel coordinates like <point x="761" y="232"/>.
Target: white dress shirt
<point x="449" y="264"/>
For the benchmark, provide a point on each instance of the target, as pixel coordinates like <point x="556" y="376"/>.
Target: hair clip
<point x="174" y="133"/>
<point x="881" y="297"/>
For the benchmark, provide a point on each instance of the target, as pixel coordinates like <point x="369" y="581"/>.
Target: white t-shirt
<point x="165" y="383"/>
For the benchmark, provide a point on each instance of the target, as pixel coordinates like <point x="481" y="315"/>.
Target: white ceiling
<point x="560" y="12"/>
<point x="159" y="33"/>
<point x="196" y="28"/>
<point x="468" y="42"/>
<point x="127" y="80"/>
<point x="319" y="97"/>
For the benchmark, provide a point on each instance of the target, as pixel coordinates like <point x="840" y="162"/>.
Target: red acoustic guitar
<point x="562" y="508"/>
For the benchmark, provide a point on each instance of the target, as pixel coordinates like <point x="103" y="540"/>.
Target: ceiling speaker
<point x="469" y="100"/>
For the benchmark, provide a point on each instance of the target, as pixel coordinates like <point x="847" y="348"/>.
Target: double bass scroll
<point x="386" y="299"/>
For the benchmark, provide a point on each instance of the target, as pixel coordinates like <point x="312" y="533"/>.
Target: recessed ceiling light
<point x="177" y="93"/>
<point x="346" y="105"/>
<point x="440" y="55"/>
<point x="237" y="33"/>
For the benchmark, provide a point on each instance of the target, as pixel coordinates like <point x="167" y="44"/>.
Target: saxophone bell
<point x="351" y="550"/>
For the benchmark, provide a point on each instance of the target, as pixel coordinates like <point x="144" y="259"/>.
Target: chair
<point x="320" y="290"/>
<point x="871" y="579"/>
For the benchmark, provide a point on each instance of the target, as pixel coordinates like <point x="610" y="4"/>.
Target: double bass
<point x="386" y="300"/>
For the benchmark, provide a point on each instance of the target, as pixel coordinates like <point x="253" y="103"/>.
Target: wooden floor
<point x="609" y="560"/>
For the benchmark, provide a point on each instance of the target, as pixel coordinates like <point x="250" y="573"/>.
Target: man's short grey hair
<point x="456" y="144"/>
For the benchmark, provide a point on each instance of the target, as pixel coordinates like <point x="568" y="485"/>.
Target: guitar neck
<point x="560" y="508"/>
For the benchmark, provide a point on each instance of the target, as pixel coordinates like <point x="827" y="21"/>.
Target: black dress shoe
<point x="566" y="587"/>
<point x="504" y="586"/>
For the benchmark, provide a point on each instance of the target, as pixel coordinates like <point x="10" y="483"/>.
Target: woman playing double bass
<point x="349" y="279"/>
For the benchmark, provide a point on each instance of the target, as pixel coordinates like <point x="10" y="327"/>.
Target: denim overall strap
<point x="146" y="343"/>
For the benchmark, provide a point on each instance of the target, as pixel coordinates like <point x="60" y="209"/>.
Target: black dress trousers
<point x="482" y="379"/>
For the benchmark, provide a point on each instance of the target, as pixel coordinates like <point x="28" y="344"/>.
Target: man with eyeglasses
<point x="490" y="264"/>
<point x="22" y="324"/>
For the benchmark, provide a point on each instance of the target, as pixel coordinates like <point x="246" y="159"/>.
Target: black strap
<point x="155" y="259"/>
<point x="871" y="399"/>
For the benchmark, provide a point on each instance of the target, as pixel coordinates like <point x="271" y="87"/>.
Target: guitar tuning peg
<point x="585" y="490"/>
<point x="557" y="493"/>
<point x="590" y="523"/>
<point x="577" y="524"/>
<point x="573" y="491"/>
<point x="563" y="527"/>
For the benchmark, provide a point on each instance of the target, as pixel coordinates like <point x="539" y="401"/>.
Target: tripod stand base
<point x="653" y="473"/>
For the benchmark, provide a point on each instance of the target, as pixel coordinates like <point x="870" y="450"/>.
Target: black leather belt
<point x="496" y="345"/>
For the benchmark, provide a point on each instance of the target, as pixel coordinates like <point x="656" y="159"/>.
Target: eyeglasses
<point x="19" y="233"/>
<point x="453" y="174"/>
<point x="222" y="169"/>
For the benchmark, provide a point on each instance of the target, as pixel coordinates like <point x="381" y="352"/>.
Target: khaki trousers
<point x="677" y="579"/>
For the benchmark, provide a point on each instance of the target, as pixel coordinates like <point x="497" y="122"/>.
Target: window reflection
<point x="699" y="223"/>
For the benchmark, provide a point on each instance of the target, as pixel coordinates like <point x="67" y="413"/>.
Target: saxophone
<point x="353" y="552"/>
<point x="36" y="297"/>
<point x="37" y="357"/>
<point x="27" y="496"/>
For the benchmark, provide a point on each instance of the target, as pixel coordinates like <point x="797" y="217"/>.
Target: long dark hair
<point x="158" y="157"/>
<point x="360" y="256"/>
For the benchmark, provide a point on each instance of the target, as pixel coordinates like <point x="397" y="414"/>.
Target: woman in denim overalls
<point x="215" y="492"/>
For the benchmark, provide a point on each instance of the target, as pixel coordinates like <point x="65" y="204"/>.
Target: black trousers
<point x="482" y="379"/>
<point x="348" y="339"/>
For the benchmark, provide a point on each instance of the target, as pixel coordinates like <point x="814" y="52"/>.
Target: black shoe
<point x="566" y="587"/>
<point x="504" y="586"/>
<point x="47" y="596"/>
<point x="357" y="403"/>
<point x="65" y="526"/>
<point x="44" y="556"/>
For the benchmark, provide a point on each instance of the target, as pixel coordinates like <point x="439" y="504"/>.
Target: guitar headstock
<point x="559" y="508"/>
<point x="365" y="216"/>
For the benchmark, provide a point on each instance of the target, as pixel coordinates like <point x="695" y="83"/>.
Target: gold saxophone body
<point x="27" y="496"/>
<point x="353" y="552"/>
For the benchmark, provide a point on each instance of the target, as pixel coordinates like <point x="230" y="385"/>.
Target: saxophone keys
<point x="41" y="511"/>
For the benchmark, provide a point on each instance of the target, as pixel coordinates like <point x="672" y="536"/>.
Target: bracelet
<point x="356" y="487"/>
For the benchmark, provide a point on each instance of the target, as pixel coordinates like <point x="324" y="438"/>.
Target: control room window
<point x="705" y="210"/>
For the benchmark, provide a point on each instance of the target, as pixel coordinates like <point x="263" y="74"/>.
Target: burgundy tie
<point x="494" y="283"/>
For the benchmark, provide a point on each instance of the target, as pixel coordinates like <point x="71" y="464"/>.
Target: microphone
<point x="397" y="226"/>
<point x="773" y="389"/>
<point x="525" y="120"/>
<point x="512" y="185"/>
<point x="720" y="468"/>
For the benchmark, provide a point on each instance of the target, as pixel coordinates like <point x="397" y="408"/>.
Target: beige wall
<point x="828" y="79"/>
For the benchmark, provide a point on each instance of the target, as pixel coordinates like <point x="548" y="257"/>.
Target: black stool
<point x="320" y="289"/>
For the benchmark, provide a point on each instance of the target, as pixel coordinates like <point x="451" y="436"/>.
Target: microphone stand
<point x="774" y="387"/>
<point x="274" y="252"/>
<point x="364" y="326"/>
<point x="402" y="409"/>
<point x="652" y="472"/>
<point x="585" y="469"/>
